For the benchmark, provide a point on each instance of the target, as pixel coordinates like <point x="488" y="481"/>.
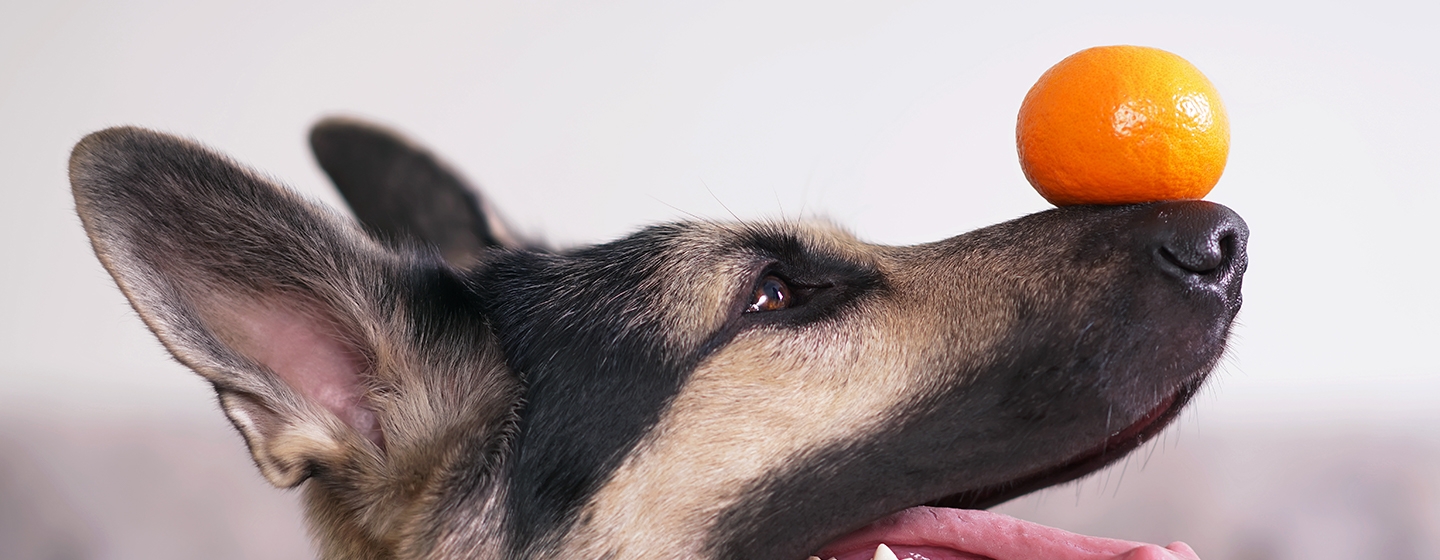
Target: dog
<point x="443" y="388"/>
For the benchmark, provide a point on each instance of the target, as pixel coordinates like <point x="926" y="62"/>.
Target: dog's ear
<point x="315" y="337"/>
<point x="403" y="193"/>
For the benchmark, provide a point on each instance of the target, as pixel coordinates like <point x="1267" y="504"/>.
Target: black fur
<point x="401" y="193"/>
<point x="583" y="338"/>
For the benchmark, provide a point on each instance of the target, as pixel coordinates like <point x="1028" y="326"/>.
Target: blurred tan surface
<point x="182" y="487"/>
<point x="155" y="488"/>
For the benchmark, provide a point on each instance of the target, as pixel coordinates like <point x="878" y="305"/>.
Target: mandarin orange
<point x="1120" y="125"/>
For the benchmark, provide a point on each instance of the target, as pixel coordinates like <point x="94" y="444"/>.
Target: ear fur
<point x="307" y="329"/>
<point x="403" y="193"/>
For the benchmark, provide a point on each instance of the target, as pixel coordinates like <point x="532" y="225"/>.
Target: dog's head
<point x="694" y="390"/>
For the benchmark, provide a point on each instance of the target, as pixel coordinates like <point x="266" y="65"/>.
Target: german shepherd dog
<point x="443" y="389"/>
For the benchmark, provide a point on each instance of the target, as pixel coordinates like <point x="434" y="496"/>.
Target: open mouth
<point x="956" y="528"/>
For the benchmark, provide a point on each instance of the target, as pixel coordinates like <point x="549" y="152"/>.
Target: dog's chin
<point x="956" y="527"/>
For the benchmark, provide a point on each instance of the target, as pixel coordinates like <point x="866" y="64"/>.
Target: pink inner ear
<point x="311" y="357"/>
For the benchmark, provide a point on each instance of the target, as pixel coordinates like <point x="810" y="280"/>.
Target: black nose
<point x="1197" y="242"/>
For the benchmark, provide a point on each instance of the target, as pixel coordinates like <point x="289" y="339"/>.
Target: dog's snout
<point x="1197" y="241"/>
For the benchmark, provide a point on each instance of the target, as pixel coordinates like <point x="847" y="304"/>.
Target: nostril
<point x="1195" y="238"/>
<point x="1198" y="268"/>
<point x="1200" y="256"/>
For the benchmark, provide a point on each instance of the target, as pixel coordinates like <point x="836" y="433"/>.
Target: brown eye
<point x="772" y="294"/>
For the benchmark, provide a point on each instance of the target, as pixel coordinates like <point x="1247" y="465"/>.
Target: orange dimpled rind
<point x="1120" y="125"/>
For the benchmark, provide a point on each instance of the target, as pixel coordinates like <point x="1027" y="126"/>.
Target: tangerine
<point x="1121" y="125"/>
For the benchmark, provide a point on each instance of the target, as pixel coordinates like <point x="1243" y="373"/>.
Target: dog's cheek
<point x="749" y="410"/>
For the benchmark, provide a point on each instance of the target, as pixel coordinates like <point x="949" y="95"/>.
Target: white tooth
<point x="813" y="558"/>
<point x="883" y="552"/>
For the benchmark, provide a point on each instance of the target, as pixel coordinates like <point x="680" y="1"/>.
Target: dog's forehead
<point x="699" y="246"/>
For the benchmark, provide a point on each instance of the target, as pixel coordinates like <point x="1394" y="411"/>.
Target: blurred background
<point x="1317" y="438"/>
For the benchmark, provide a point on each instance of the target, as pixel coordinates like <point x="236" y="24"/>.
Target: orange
<point x="1122" y="124"/>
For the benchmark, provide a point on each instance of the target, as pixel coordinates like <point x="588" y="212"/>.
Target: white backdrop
<point x="585" y="120"/>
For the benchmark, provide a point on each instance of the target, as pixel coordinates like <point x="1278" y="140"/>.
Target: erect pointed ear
<point x="403" y="193"/>
<point x="307" y="329"/>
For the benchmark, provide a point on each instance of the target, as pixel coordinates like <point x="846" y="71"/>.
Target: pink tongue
<point x="962" y="534"/>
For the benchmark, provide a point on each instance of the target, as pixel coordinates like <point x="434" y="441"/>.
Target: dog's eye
<point x="771" y="294"/>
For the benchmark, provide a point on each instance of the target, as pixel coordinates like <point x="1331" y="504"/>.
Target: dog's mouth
<point x="956" y="527"/>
